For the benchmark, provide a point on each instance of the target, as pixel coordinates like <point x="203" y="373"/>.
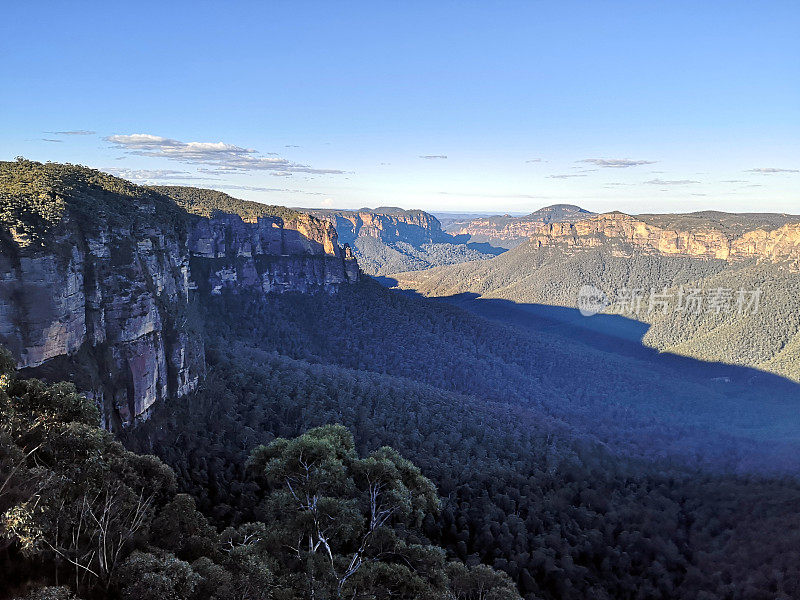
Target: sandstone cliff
<point x="705" y="240"/>
<point x="508" y="232"/>
<point x="387" y="224"/>
<point x="96" y="276"/>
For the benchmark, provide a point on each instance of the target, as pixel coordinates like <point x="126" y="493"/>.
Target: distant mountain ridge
<point x="615" y="252"/>
<point x="724" y="236"/>
<point x="389" y="239"/>
<point x="508" y="231"/>
<point x="388" y="224"/>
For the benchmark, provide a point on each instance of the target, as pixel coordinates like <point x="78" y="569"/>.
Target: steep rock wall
<point x="412" y="226"/>
<point x="780" y="244"/>
<point x="108" y="307"/>
<point x="268" y="255"/>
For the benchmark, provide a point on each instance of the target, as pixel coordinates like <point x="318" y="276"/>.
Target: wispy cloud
<point x="434" y="156"/>
<point x="566" y="175"/>
<point x="152" y="174"/>
<point x="73" y="132"/>
<point x="215" y="154"/>
<point x="495" y="195"/>
<point x="768" y="170"/>
<point x="534" y="160"/>
<point x="52" y="140"/>
<point x="617" y="163"/>
<point x="254" y="188"/>
<point x="671" y="182"/>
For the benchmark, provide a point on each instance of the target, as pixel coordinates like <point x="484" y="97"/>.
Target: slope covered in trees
<point x="81" y="517"/>
<point x="206" y="202"/>
<point x="766" y="337"/>
<point x="525" y="489"/>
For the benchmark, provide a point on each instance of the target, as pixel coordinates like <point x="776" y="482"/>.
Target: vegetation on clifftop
<point x="206" y="202"/>
<point x="34" y="198"/>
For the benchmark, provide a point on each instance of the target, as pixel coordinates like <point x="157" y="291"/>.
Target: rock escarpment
<point x="269" y="255"/>
<point x="386" y="224"/>
<point x="508" y="232"/>
<point x="96" y="277"/>
<point x="781" y="244"/>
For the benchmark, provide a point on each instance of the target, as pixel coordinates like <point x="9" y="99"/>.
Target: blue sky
<point x="463" y="106"/>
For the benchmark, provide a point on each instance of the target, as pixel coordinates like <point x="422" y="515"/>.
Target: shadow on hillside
<point x="618" y="335"/>
<point x="485" y="248"/>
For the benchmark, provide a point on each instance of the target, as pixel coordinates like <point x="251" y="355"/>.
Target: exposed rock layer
<point x="385" y="224"/>
<point x="110" y="304"/>
<point x="779" y="244"/>
<point x="507" y="231"/>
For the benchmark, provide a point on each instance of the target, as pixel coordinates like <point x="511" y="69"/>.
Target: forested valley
<point x="568" y="503"/>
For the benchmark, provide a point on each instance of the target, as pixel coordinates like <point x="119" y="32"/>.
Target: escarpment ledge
<point x="96" y="276"/>
<point x="781" y="244"/>
<point x="268" y="255"/>
<point x="387" y="224"/>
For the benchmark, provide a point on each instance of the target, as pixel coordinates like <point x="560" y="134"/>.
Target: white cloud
<point x="215" y="154"/>
<point x="566" y="175"/>
<point x="73" y="132"/>
<point x="253" y="188"/>
<point x="434" y="156"/>
<point x="140" y="175"/>
<point x="768" y="170"/>
<point x="672" y="182"/>
<point x="617" y="163"/>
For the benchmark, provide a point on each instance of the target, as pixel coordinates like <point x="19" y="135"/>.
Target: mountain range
<point x="387" y="239"/>
<point x="614" y="252"/>
<point x="506" y="231"/>
<point x="228" y="347"/>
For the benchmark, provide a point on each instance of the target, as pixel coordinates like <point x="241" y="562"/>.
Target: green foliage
<point x="472" y="404"/>
<point x="146" y="576"/>
<point x="35" y="197"/>
<point x="376" y="257"/>
<point x="768" y="339"/>
<point x="347" y="522"/>
<point x="76" y="507"/>
<point x="207" y="202"/>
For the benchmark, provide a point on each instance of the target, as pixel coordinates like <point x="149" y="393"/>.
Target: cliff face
<point x="105" y="301"/>
<point x="508" y="231"/>
<point x="269" y="255"/>
<point x="117" y="298"/>
<point x="388" y="225"/>
<point x="780" y="244"/>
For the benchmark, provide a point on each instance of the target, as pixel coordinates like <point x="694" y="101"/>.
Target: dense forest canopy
<point x="34" y="197"/>
<point x="767" y="338"/>
<point x="564" y="514"/>
<point x="205" y="202"/>
<point x="80" y="516"/>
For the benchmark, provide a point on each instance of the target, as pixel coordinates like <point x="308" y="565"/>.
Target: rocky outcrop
<point x="507" y="231"/>
<point x="107" y="306"/>
<point x="780" y="244"/>
<point x="389" y="225"/>
<point x="268" y="255"/>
